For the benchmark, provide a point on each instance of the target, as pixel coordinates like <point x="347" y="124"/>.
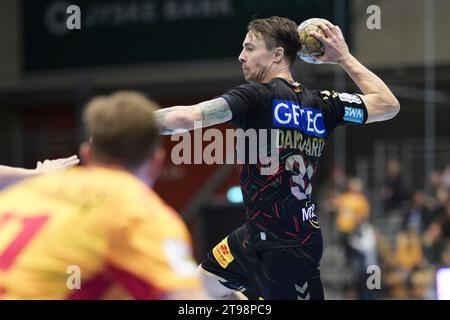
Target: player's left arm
<point x="380" y="102"/>
<point x="204" y="114"/>
<point x="9" y="175"/>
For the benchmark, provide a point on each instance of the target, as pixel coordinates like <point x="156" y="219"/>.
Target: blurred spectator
<point x="331" y="189"/>
<point x="353" y="207"/>
<point x="418" y="217"/>
<point x="439" y="203"/>
<point x="406" y="277"/>
<point x="445" y="222"/>
<point x="409" y="252"/>
<point x="445" y="256"/>
<point x="393" y="192"/>
<point x="446" y="177"/>
<point x="435" y="182"/>
<point x="408" y="261"/>
<point x="358" y="235"/>
<point x="339" y="179"/>
<point x="432" y="243"/>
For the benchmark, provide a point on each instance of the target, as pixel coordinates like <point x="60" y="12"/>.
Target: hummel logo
<point x="302" y="290"/>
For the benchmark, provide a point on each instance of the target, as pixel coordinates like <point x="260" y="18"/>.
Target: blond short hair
<point x="122" y="128"/>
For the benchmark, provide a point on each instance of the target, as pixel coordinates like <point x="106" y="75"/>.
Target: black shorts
<point x="282" y="273"/>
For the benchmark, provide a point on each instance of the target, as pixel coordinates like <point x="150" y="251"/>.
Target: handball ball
<point x="311" y="47"/>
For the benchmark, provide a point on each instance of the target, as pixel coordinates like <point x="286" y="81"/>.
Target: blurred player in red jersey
<point x="99" y="232"/>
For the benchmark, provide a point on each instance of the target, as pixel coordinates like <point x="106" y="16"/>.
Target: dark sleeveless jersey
<point x="291" y="125"/>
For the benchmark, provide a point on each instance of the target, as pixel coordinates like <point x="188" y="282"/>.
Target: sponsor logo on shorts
<point x="222" y="253"/>
<point x="354" y="115"/>
<point x="352" y="98"/>
<point x="308" y="213"/>
<point x="288" y="114"/>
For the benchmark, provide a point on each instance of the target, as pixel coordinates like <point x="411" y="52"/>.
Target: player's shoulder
<point x="80" y="187"/>
<point x="36" y="185"/>
<point x="318" y="98"/>
<point x="160" y="211"/>
<point x="101" y="186"/>
<point x="274" y="88"/>
<point x="330" y="94"/>
<point x="313" y="93"/>
<point x="112" y="183"/>
<point x="132" y="201"/>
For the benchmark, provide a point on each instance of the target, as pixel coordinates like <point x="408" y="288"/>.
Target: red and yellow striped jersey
<point x="91" y="233"/>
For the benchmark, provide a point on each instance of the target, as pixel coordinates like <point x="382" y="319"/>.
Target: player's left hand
<point x="336" y="49"/>
<point x="57" y="164"/>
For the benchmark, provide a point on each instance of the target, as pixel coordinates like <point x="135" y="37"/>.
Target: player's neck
<point x="289" y="80"/>
<point x="278" y="71"/>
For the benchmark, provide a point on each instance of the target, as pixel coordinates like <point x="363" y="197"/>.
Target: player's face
<point x="256" y="59"/>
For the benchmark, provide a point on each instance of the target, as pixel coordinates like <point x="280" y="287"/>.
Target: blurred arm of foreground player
<point x="9" y="175"/>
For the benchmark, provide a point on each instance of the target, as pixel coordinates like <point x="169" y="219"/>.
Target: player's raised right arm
<point x="204" y="114"/>
<point x="380" y="102"/>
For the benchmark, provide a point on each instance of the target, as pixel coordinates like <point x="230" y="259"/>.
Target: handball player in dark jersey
<point x="277" y="252"/>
